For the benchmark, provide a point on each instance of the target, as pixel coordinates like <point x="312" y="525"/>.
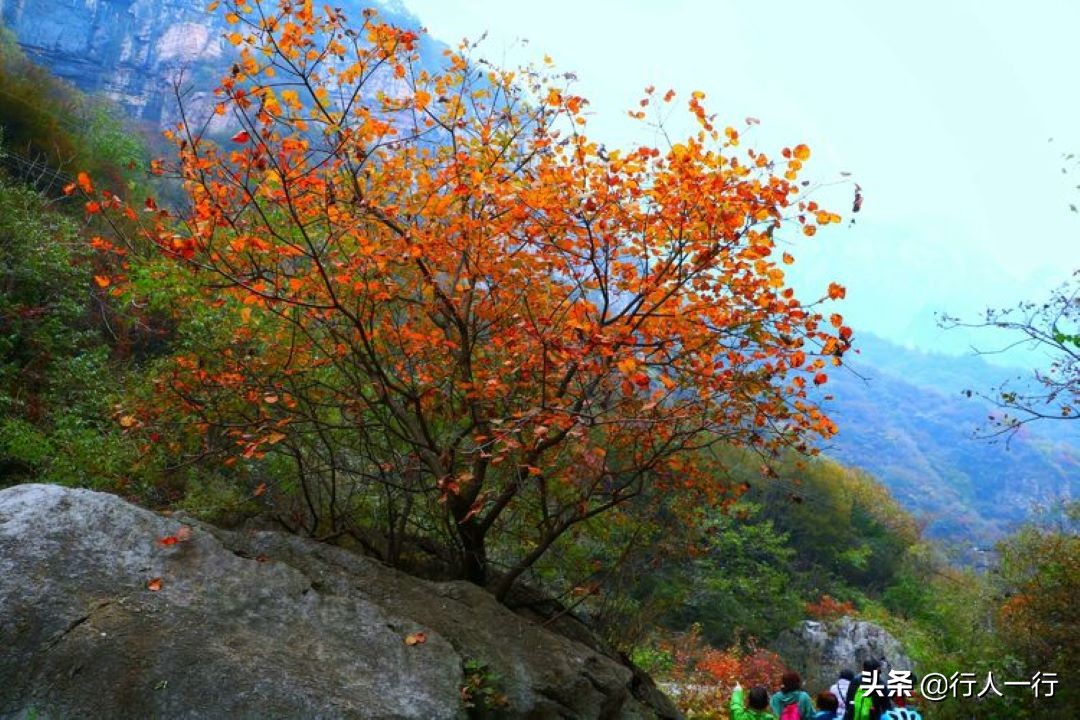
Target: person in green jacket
<point x="756" y="707"/>
<point x="791" y="693"/>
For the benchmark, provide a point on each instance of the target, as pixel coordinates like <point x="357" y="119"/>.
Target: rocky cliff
<point x="134" y="50"/>
<point x="111" y="611"/>
<point x="820" y="650"/>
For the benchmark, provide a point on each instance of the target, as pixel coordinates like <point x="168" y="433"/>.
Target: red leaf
<point x="182" y="535"/>
<point x="241" y="137"/>
<point x="153" y="585"/>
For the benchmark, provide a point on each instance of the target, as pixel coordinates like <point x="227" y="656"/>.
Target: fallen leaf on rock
<point x="415" y="638"/>
<point x="182" y="535"/>
<point x="153" y="585"/>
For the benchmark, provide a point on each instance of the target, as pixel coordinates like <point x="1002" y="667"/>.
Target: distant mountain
<point x="132" y="50"/>
<point x="908" y="421"/>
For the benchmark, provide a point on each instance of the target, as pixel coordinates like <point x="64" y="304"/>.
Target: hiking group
<point x="847" y="699"/>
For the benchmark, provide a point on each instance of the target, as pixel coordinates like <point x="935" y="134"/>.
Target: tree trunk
<point x="474" y="565"/>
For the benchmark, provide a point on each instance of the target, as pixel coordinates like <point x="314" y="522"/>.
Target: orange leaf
<point x="84" y="183"/>
<point x="821" y="379"/>
<point x="802" y="152"/>
<point x="259" y="490"/>
<point x="153" y="585"/>
<point x="416" y="638"/>
<point x="102" y="281"/>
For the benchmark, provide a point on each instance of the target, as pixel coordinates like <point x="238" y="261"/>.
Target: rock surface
<point x="820" y="650"/>
<point x="132" y="51"/>
<point x="260" y="625"/>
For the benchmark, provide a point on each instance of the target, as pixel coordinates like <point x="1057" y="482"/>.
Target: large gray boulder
<point x="820" y="650"/>
<point x="261" y="625"/>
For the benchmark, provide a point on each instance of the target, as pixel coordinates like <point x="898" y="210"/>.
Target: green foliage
<point x="739" y="584"/>
<point x="1016" y="619"/>
<point x="481" y="692"/>
<point x="653" y="660"/>
<point x="848" y="529"/>
<point x="750" y="571"/>
<point x="1039" y="618"/>
<point x="51" y="130"/>
<point x="53" y="370"/>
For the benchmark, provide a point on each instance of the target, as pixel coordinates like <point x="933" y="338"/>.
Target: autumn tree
<point x="453" y="313"/>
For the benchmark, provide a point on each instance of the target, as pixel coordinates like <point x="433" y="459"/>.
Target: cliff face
<point x="133" y="51"/>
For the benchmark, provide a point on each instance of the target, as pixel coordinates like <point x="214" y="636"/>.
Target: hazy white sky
<point x="942" y="111"/>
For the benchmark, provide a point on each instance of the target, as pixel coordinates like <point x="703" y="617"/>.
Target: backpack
<point x="861" y="706"/>
<point x="790" y="712"/>
<point x="842" y="696"/>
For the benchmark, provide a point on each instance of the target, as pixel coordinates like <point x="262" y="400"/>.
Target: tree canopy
<point x="452" y="312"/>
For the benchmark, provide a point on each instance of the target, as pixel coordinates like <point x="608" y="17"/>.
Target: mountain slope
<point x="908" y="422"/>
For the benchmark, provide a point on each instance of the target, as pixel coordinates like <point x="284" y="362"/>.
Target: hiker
<point x="792" y="702"/>
<point x="827" y="706"/>
<point x="863" y="705"/>
<point x="756" y="707"/>
<point x="903" y="707"/>
<point x="842" y="690"/>
<point x="904" y="712"/>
